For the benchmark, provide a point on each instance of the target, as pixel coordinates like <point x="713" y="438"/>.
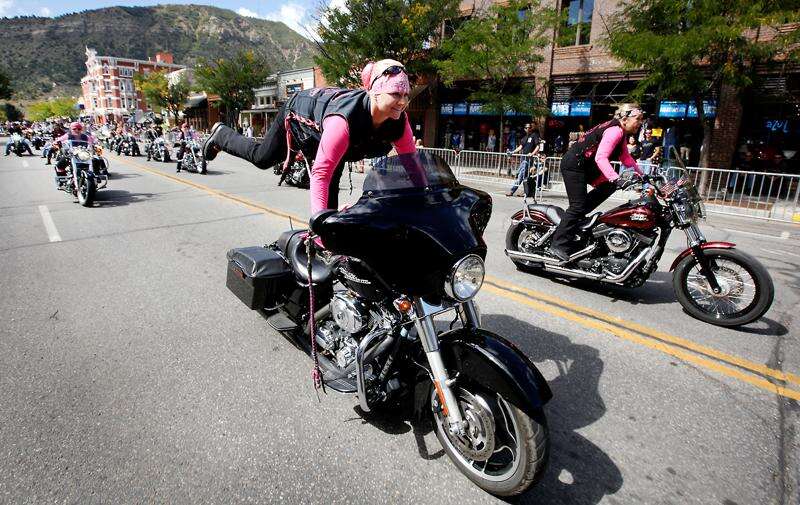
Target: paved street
<point x="131" y="374"/>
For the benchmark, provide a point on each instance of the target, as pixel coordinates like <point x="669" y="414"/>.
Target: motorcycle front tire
<point x="533" y="449"/>
<point x="764" y="288"/>
<point x="86" y="191"/>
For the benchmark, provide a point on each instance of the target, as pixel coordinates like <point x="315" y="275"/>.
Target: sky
<point x="299" y="15"/>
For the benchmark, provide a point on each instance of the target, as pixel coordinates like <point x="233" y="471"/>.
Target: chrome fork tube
<point x="430" y="344"/>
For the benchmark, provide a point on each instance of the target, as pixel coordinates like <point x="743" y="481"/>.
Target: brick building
<point x="586" y="83"/>
<point x="109" y="92"/>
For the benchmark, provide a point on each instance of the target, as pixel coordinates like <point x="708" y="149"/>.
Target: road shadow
<point x="217" y="172"/>
<point x="120" y="175"/>
<point x="764" y="326"/>
<point x="579" y="471"/>
<point x="656" y="290"/>
<point x="119" y="198"/>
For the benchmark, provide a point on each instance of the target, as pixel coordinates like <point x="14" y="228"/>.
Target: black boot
<point x="211" y="145"/>
<point x="179" y="166"/>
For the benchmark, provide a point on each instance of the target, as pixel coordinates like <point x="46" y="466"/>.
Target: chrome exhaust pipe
<point x="549" y="260"/>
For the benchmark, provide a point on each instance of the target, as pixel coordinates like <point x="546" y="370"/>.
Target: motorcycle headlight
<point x="84" y="155"/>
<point x="466" y="278"/>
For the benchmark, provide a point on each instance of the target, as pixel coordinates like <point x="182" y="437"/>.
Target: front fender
<point x="491" y="361"/>
<point x="704" y="245"/>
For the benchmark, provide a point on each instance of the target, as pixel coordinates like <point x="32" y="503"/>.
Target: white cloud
<point x="338" y="4"/>
<point x="5" y="7"/>
<point x="293" y="16"/>
<point x="44" y="11"/>
<point x="244" y="12"/>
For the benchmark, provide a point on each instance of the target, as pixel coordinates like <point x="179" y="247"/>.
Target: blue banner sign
<point x="460" y="109"/>
<point x="476" y="109"/>
<point x="580" y="108"/>
<point x="709" y="107"/>
<point x="446" y="109"/>
<point x="559" y="109"/>
<point x="672" y="109"/>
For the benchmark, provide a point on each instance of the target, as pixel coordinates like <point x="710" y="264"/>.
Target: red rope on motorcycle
<point x="316" y="373"/>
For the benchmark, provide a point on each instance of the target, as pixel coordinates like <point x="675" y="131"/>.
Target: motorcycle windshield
<point x="413" y="222"/>
<point x="72" y="144"/>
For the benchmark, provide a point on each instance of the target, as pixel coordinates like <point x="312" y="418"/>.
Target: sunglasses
<point x="393" y="70"/>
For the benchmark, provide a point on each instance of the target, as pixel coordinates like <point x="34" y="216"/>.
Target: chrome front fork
<point x="430" y="344"/>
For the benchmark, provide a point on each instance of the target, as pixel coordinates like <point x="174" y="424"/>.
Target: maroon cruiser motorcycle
<point x="713" y="281"/>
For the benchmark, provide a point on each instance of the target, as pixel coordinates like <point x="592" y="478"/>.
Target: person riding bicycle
<point x="330" y="126"/>
<point x="588" y="161"/>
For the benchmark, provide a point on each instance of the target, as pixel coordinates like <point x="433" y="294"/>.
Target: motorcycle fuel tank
<point x="636" y="215"/>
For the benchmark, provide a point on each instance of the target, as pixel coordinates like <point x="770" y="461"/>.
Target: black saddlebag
<point x="257" y="276"/>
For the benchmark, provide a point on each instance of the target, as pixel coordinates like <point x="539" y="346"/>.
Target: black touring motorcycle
<point x="409" y="249"/>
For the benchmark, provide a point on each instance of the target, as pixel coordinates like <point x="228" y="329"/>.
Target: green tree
<point x="690" y="50"/>
<point x="233" y="80"/>
<point x="5" y="85"/>
<point x="371" y="30"/>
<point x="55" y="107"/>
<point x="12" y="113"/>
<point x="161" y="93"/>
<point x="497" y="51"/>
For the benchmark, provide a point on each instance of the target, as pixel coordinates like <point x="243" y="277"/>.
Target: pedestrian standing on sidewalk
<point x="529" y="147"/>
<point x="331" y="126"/>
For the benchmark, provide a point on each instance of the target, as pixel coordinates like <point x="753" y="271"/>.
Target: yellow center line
<point x="681" y="348"/>
<point x="650" y="332"/>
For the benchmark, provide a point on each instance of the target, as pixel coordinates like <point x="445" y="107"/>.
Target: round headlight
<point x="466" y="278"/>
<point x="84" y="155"/>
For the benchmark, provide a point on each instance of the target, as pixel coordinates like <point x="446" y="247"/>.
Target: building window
<point x="107" y="85"/>
<point x="105" y="68"/>
<point x="578" y="22"/>
<point x="122" y="85"/>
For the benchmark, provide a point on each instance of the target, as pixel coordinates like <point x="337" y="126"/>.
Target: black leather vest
<point x="585" y="149"/>
<point x="307" y="110"/>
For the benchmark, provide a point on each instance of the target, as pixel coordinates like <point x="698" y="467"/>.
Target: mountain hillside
<point x="47" y="55"/>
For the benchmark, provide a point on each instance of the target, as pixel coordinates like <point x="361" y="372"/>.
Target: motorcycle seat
<point x="321" y="269"/>
<point x="553" y="213"/>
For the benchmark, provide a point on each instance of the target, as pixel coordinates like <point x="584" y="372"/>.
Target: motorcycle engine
<point x="619" y="241"/>
<point x="349" y="316"/>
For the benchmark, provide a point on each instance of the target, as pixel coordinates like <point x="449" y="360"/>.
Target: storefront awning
<point x="416" y="90"/>
<point x="194" y="102"/>
<point x="259" y="111"/>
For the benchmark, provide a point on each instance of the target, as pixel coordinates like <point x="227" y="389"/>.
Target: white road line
<point x="780" y="253"/>
<point x="49" y="225"/>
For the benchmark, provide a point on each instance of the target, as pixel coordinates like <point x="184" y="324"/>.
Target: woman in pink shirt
<point x="588" y="161"/>
<point x="330" y="126"/>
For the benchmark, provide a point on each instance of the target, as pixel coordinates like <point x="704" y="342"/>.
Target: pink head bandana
<point x="383" y="77"/>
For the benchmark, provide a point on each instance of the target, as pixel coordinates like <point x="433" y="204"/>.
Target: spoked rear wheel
<point x="523" y="238"/>
<point x="746" y="288"/>
<point x="502" y="450"/>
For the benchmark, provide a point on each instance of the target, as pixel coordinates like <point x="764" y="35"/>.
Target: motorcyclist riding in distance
<point x="588" y="161"/>
<point x="330" y="126"/>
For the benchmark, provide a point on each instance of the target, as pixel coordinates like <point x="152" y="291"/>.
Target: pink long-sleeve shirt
<point x="332" y="147"/>
<point x="612" y="137"/>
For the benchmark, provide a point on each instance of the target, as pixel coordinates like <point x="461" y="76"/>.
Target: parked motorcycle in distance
<point x="18" y="145"/>
<point x="190" y="156"/>
<point x="713" y="281"/>
<point x="158" y="150"/>
<point x="128" y="146"/>
<point x="297" y="173"/>
<point x="75" y="171"/>
<point x="409" y="249"/>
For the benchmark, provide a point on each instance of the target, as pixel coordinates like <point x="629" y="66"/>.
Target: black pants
<point x="580" y="202"/>
<point x="271" y="151"/>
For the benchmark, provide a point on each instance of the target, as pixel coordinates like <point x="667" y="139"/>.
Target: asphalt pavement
<point x="130" y="374"/>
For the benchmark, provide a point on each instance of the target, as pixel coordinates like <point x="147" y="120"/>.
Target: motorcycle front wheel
<point x="503" y="451"/>
<point x="86" y="190"/>
<point x="746" y="288"/>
